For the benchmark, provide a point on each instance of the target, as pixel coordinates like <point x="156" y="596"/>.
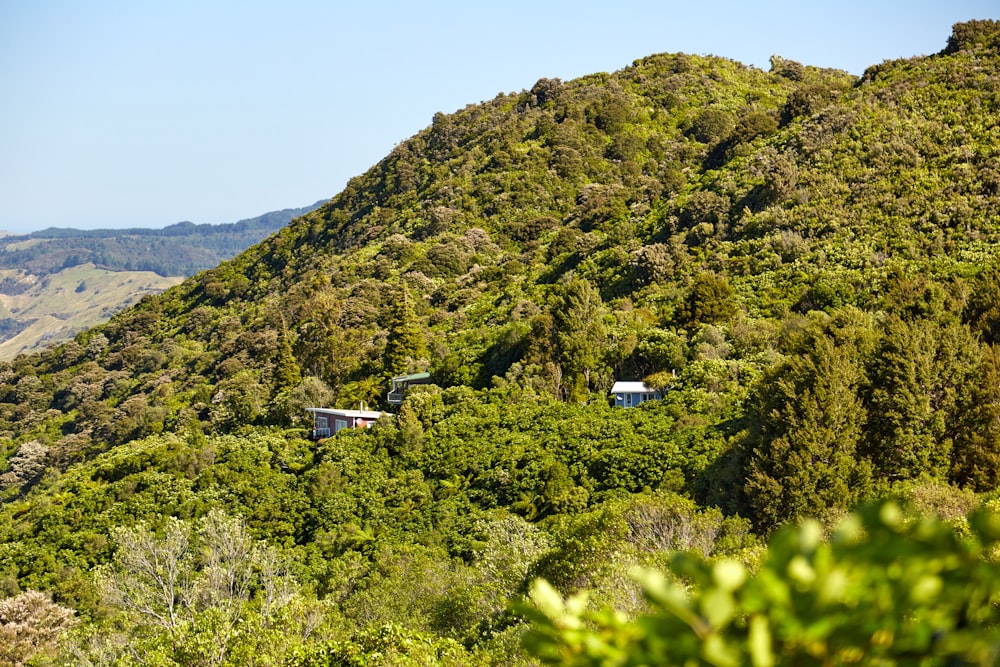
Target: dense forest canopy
<point x="805" y="262"/>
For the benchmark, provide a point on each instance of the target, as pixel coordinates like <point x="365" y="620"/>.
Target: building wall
<point x="629" y="400"/>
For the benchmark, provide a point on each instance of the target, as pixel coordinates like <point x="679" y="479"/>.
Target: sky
<point x="126" y="113"/>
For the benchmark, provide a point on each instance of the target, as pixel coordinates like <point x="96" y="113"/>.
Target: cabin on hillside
<point x="329" y="421"/>
<point x="631" y="394"/>
<point x="401" y="383"/>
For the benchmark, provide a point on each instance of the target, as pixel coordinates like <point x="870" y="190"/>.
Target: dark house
<point x="401" y="383"/>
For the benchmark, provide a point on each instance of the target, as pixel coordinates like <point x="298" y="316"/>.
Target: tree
<point x="239" y="399"/>
<point x="286" y="369"/>
<point x="150" y="576"/>
<point x="982" y="311"/>
<point x="709" y="300"/>
<point x="405" y="345"/>
<point x="781" y="176"/>
<point x="26" y="465"/>
<point x="30" y="626"/>
<point x="188" y="586"/>
<point x="289" y="406"/>
<point x="712" y="125"/>
<point x="975" y="458"/>
<point x="659" y="350"/>
<point x="810" y="419"/>
<point x="917" y="376"/>
<point x="578" y="315"/>
<point x="969" y="34"/>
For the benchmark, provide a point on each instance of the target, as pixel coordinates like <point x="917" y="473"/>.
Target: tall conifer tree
<point x="811" y="420"/>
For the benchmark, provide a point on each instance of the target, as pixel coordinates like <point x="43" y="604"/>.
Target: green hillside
<point x="804" y="262"/>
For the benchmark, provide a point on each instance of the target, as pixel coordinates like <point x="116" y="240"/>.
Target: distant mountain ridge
<point x="57" y="282"/>
<point x="180" y="249"/>
<point x="276" y="219"/>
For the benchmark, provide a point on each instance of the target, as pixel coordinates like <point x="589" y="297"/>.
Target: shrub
<point x="888" y="588"/>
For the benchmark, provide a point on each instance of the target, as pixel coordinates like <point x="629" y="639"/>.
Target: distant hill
<point x="181" y="249"/>
<point x="57" y="282"/>
<point x="54" y="308"/>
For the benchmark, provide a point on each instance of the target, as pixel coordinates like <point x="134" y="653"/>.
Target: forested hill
<point x="805" y="261"/>
<point x="181" y="249"/>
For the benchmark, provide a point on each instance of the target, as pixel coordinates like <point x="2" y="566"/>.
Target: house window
<point x="321" y="429"/>
<point x="339" y="424"/>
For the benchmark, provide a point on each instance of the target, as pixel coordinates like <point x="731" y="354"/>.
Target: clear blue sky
<point x="148" y="112"/>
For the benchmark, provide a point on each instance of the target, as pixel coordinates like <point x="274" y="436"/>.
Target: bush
<point x="888" y="588"/>
<point x="709" y="300"/>
<point x="711" y="126"/>
<point x="30" y="626"/>
<point x="384" y="646"/>
<point x="973" y="33"/>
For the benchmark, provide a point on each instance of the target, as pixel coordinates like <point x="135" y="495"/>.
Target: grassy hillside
<point x="806" y="263"/>
<point x="55" y="308"/>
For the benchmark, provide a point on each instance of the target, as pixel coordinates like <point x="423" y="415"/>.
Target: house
<point x="630" y="394"/>
<point x="328" y="421"/>
<point x="400" y="383"/>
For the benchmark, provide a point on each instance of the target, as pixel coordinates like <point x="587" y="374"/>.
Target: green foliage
<point x="191" y="596"/>
<point x="804" y="459"/>
<point x="387" y="646"/>
<point x="976" y="448"/>
<point x="853" y="410"/>
<point x="597" y="549"/>
<point x="983" y="308"/>
<point x="812" y="295"/>
<point x="710" y="299"/>
<point x="972" y="34"/>
<point x="916" y="376"/>
<point x="711" y="125"/>
<point x="887" y="588"/>
<point x="578" y="314"/>
<point x="406" y="345"/>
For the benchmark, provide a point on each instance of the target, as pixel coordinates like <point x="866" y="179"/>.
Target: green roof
<point x="412" y="377"/>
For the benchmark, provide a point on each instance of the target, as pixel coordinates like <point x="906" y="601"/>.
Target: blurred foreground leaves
<point x="886" y="588"/>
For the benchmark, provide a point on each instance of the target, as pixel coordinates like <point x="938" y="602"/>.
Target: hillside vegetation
<point x="805" y="261"/>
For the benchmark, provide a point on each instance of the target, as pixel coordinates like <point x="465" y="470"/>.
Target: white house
<point x="328" y="421"/>
<point x="630" y="394"/>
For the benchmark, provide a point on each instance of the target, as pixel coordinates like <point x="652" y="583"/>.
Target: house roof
<point x="412" y="377"/>
<point x="631" y="388"/>
<point x="354" y="414"/>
